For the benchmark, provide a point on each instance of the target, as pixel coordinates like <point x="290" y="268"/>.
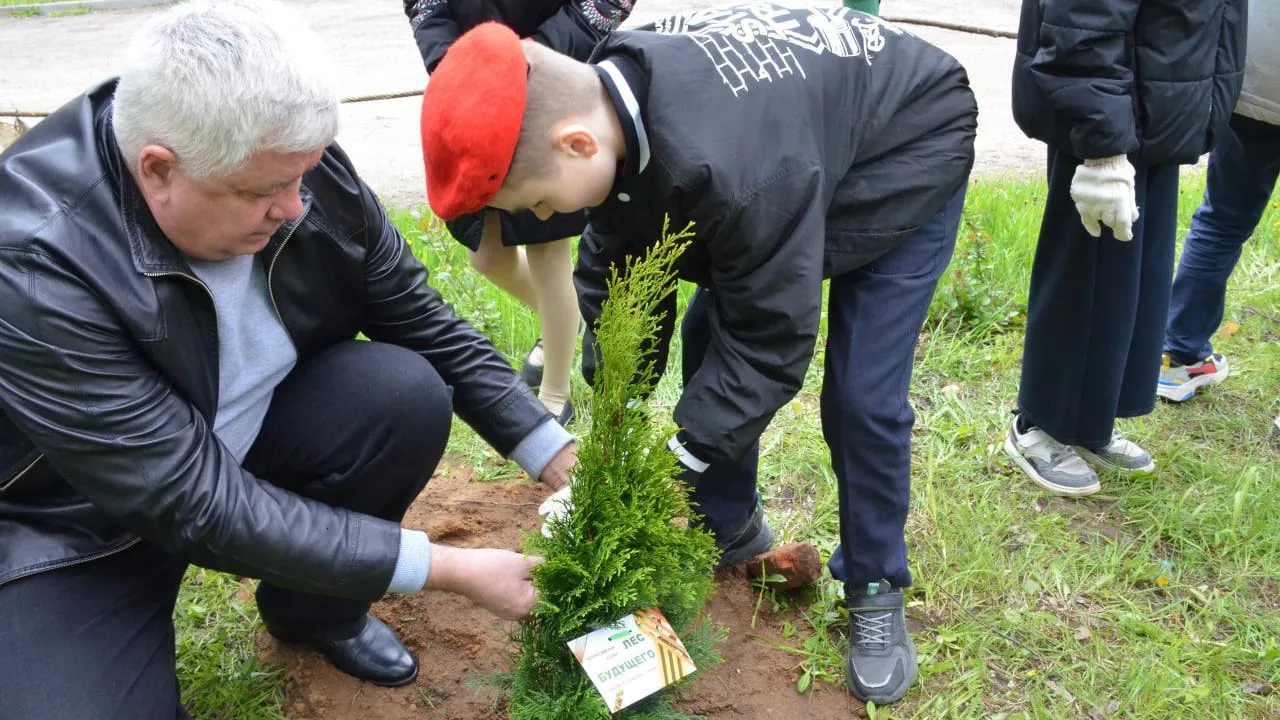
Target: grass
<point x="1158" y="598"/>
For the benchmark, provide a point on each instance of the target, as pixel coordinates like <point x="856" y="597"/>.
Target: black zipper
<point x="106" y="552"/>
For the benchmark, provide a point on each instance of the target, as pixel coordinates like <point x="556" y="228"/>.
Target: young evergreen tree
<point x="628" y="544"/>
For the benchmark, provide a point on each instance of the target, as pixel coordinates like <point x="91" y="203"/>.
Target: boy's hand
<point x="555" y="507"/>
<point x="559" y="471"/>
<point x="497" y="580"/>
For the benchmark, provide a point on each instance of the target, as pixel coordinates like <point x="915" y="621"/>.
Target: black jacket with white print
<point x="803" y="143"/>
<point x="572" y="27"/>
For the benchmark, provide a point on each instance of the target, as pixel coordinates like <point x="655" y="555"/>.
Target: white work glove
<point x="1103" y="192"/>
<point x="557" y="506"/>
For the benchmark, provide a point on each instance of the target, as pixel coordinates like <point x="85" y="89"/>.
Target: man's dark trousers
<point x="1096" y="311"/>
<point x="360" y="426"/>
<point x="874" y="316"/>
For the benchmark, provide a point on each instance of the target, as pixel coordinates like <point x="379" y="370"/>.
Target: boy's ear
<point x="577" y="141"/>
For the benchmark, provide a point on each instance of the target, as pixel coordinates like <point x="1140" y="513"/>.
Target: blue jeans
<point x="1242" y="174"/>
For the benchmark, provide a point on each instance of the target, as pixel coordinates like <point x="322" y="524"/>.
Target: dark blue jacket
<point x="1154" y="79"/>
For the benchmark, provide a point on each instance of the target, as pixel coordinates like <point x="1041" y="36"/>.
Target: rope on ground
<point x="958" y="27"/>
<point x="344" y="101"/>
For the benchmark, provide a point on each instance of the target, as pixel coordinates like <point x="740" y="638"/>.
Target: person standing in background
<point x="1239" y="182"/>
<point x="526" y="254"/>
<point x="871" y="7"/>
<point x="1123" y="92"/>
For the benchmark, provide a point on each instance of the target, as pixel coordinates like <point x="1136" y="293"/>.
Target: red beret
<point x="471" y="115"/>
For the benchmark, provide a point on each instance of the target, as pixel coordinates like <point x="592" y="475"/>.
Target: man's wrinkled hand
<point x="559" y="471"/>
<point x="499" y="581"/>
<point x="505" y="585"/>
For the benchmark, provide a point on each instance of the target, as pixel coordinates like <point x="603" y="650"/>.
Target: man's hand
<point x="559" y="471"/>
<point x="1103" y="192"/>
<point x="497" y="580"/>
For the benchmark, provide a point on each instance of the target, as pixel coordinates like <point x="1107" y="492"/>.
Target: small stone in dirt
<point x="787" y="566"/>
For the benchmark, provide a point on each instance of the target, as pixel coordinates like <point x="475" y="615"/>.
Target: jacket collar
<point x="628" y="89"/>
<point x="150" y="250"/>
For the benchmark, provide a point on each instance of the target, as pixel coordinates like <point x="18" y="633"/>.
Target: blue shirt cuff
<point x="540" y="446"/>
<point x="413" y="564"/>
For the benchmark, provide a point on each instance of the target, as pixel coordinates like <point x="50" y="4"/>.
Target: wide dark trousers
<point x="1096" y="311"/>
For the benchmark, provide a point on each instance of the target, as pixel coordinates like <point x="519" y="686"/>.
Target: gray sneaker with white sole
<point x="1051" y="464"/>
<point x="1120" y="455"/>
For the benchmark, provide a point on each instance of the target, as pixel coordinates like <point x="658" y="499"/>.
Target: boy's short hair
<point x="559" y="88"/>
<point x="488" y="114"/>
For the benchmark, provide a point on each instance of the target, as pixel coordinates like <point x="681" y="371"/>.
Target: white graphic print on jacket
<point x="755" y="43"/>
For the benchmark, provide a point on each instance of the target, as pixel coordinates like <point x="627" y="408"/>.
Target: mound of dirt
<point x="459" y="646"/>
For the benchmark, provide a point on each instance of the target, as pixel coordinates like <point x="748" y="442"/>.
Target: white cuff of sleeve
<point x="413" y="564"/>
<point x="686" y="458"/>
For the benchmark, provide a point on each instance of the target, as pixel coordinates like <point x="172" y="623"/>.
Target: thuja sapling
<point x="631" y="541"/>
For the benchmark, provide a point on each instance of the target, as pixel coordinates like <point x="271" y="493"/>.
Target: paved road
<point x="44" y="61"/>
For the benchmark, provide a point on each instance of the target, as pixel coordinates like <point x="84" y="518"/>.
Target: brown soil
<point x="458" y="645"/>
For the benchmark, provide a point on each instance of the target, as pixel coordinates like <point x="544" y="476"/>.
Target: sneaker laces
<point x="871" y="629"/>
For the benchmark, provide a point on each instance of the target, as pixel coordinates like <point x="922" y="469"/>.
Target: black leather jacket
<point x="109" y="368"/>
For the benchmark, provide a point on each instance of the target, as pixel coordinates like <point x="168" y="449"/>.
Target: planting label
<point x="632" y="658"/>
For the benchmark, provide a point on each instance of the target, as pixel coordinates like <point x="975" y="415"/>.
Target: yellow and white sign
<point x="632" y="658"/>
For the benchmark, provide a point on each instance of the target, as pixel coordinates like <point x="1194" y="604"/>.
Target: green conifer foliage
<point x="628" y="544"/>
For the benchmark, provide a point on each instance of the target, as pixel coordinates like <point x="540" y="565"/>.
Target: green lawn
<point x="1158" y="598"/>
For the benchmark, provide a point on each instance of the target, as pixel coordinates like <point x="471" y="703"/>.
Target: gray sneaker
<point x="881" y="661"/>
<point x="1052" y="465"/>
<point x="1120" y="455"/>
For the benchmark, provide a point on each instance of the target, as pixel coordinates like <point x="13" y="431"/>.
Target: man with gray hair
<point x="186" y="260"/>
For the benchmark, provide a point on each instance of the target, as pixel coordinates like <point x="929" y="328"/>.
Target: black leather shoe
<point x="374" y="654"/>
<point x="532" y="374"/>
<point x="566" y="414"/>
